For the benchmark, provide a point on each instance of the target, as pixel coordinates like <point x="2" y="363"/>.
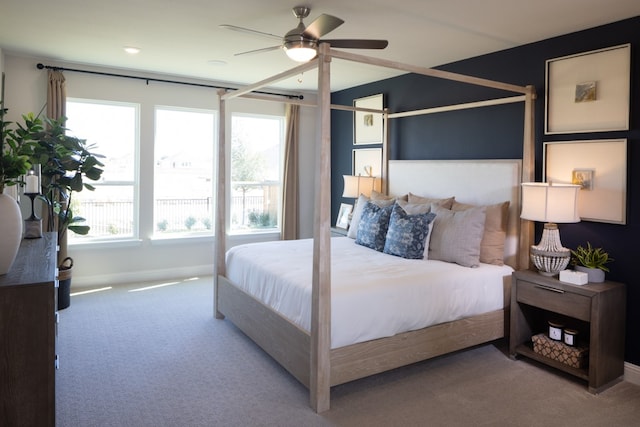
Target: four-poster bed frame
<point x="308" y="356"/>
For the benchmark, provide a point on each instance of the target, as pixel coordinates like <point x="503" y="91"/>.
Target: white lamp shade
<point x="546" y="202"/>
<point x="356" y="185"/>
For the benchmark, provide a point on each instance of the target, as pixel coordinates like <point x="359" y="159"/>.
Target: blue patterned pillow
<point x="407" y="234"/>
<point x="373" y="226"/>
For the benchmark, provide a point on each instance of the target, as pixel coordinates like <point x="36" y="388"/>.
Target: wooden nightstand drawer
<point x="556" y="299"/>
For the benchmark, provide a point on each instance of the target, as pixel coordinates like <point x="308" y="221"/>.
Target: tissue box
<point x="575" y="357"/>
<point x="574" y="277"/>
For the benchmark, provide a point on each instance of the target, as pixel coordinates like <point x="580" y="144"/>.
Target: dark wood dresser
<point x="28" y="322"/>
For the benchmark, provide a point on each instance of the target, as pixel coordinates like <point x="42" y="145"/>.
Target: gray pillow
<point x="456" y="235"/>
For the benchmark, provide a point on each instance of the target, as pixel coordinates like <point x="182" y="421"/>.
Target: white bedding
<point x="373" y="295"/>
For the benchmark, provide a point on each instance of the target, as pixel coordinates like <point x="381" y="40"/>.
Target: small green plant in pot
<point x="592" y="261"/>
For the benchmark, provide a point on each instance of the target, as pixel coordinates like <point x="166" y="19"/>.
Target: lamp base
<point x="549" y="256"/>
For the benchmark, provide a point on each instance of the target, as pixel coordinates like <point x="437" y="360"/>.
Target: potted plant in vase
<point x="66" y="162"/>
<point x="591" y="261"/>
<point x="15" y="152"/>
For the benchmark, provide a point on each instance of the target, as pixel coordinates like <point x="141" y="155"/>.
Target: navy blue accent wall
<point x="496" y="132"/>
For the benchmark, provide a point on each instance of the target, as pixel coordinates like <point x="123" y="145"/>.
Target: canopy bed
<point x="307" y="344"/>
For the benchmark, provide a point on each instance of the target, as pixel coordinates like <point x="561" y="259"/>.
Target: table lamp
<point x="551" y="204"/>
<point x="356" y="185"/>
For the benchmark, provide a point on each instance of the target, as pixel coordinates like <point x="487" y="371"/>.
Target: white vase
<point x="10" y="231"/>
<point x="594" y="275"/>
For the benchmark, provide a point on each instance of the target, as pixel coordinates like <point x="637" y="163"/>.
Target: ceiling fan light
<point x="300" y="54"/>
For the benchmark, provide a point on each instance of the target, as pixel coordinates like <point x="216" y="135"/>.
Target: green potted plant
<point x="15" y="152"/>
<point x="591" y="261"/>
<point x="66" y="164"/>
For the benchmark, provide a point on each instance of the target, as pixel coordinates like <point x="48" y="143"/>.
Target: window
<point x="256" y="173"/>
<point x="111" y="129"/>
<point x="183" y="171"/>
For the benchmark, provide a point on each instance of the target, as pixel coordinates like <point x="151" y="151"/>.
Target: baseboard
<point x="632" y="373"/>
<point x="79" y="282"/>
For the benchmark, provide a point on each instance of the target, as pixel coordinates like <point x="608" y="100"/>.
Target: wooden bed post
<point x="220" y="247"/>
<point x="528" y="172"/>
<point x="320" y="379"/>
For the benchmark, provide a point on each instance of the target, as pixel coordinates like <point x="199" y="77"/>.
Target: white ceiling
<point x="181" y="38"/>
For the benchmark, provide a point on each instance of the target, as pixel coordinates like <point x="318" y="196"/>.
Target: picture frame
<point x="368" y="127"/>
<point x="367" y="162"/>
<point x="600" y="167"/>
<point x="588" y="92"/>
<point x="343" y="216"/>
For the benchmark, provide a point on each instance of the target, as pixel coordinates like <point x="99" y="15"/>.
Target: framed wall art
<point x="600" y="168"/>
<point x="368" y="127"/>
<point x="588" y="92"/>
<point x="367" y="162"/>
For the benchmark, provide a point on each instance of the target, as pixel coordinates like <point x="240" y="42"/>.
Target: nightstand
<point x="596" y="310"/>
<point x="337" y="232"/>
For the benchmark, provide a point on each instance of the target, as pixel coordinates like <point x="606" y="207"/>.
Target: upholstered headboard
<point x="478" y="182"/>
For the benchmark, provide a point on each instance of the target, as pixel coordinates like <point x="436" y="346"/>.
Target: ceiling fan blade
<point x="264" y="49"/>
<point x="322" y="25"/>
<point x="249" y="31"/>
<point x="357" y="43"/>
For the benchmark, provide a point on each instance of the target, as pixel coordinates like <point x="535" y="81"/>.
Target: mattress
<point x="373" y="295"/>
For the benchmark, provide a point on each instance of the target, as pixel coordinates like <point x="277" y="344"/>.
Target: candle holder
<point x="33" y="224"/>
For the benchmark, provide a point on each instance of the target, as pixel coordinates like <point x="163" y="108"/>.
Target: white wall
<point x="148" y="259"/>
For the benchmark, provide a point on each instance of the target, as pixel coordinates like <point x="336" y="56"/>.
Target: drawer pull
<point x="550" y="288"/>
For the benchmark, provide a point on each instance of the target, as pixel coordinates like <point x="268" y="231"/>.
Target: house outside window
<point x="256" y="173"/>
<point x="111" y="130"/>
<point x="183" y="171"/>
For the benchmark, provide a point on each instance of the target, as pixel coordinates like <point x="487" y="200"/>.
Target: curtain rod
<point x="41" y="66"/>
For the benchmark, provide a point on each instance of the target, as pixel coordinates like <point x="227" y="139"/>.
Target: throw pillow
<point x="495" y="231"/>
<point x="419" y="208"/>
<point x="456" y="236"/>
<point x="357" y="212"/>
<point x="407" y="233"/>
<point x="445" y="203"/>
<point x="373" y="226"/>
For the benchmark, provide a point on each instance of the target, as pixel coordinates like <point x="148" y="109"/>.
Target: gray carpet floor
<point x="149" y="355"/>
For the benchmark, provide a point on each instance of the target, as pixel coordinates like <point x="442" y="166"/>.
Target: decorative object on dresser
<point x="593" y="318"/>
<point x="15" y="150"/>
<point x="10" y="230"/>
<point x="551" y="204"/>
<point x="33" y="224"/>
<point x="28" y="325"/>
<point x="592" y="261"/>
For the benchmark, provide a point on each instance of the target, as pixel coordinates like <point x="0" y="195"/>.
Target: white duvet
<point x="373" y="295"/>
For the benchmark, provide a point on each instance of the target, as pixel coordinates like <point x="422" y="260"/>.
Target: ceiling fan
<point x="301" y="43"/>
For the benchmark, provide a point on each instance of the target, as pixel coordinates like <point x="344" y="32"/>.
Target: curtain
<point x="56" y="108"/>
<point x="56" y="95"/>
<point x="290" y="227"/>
